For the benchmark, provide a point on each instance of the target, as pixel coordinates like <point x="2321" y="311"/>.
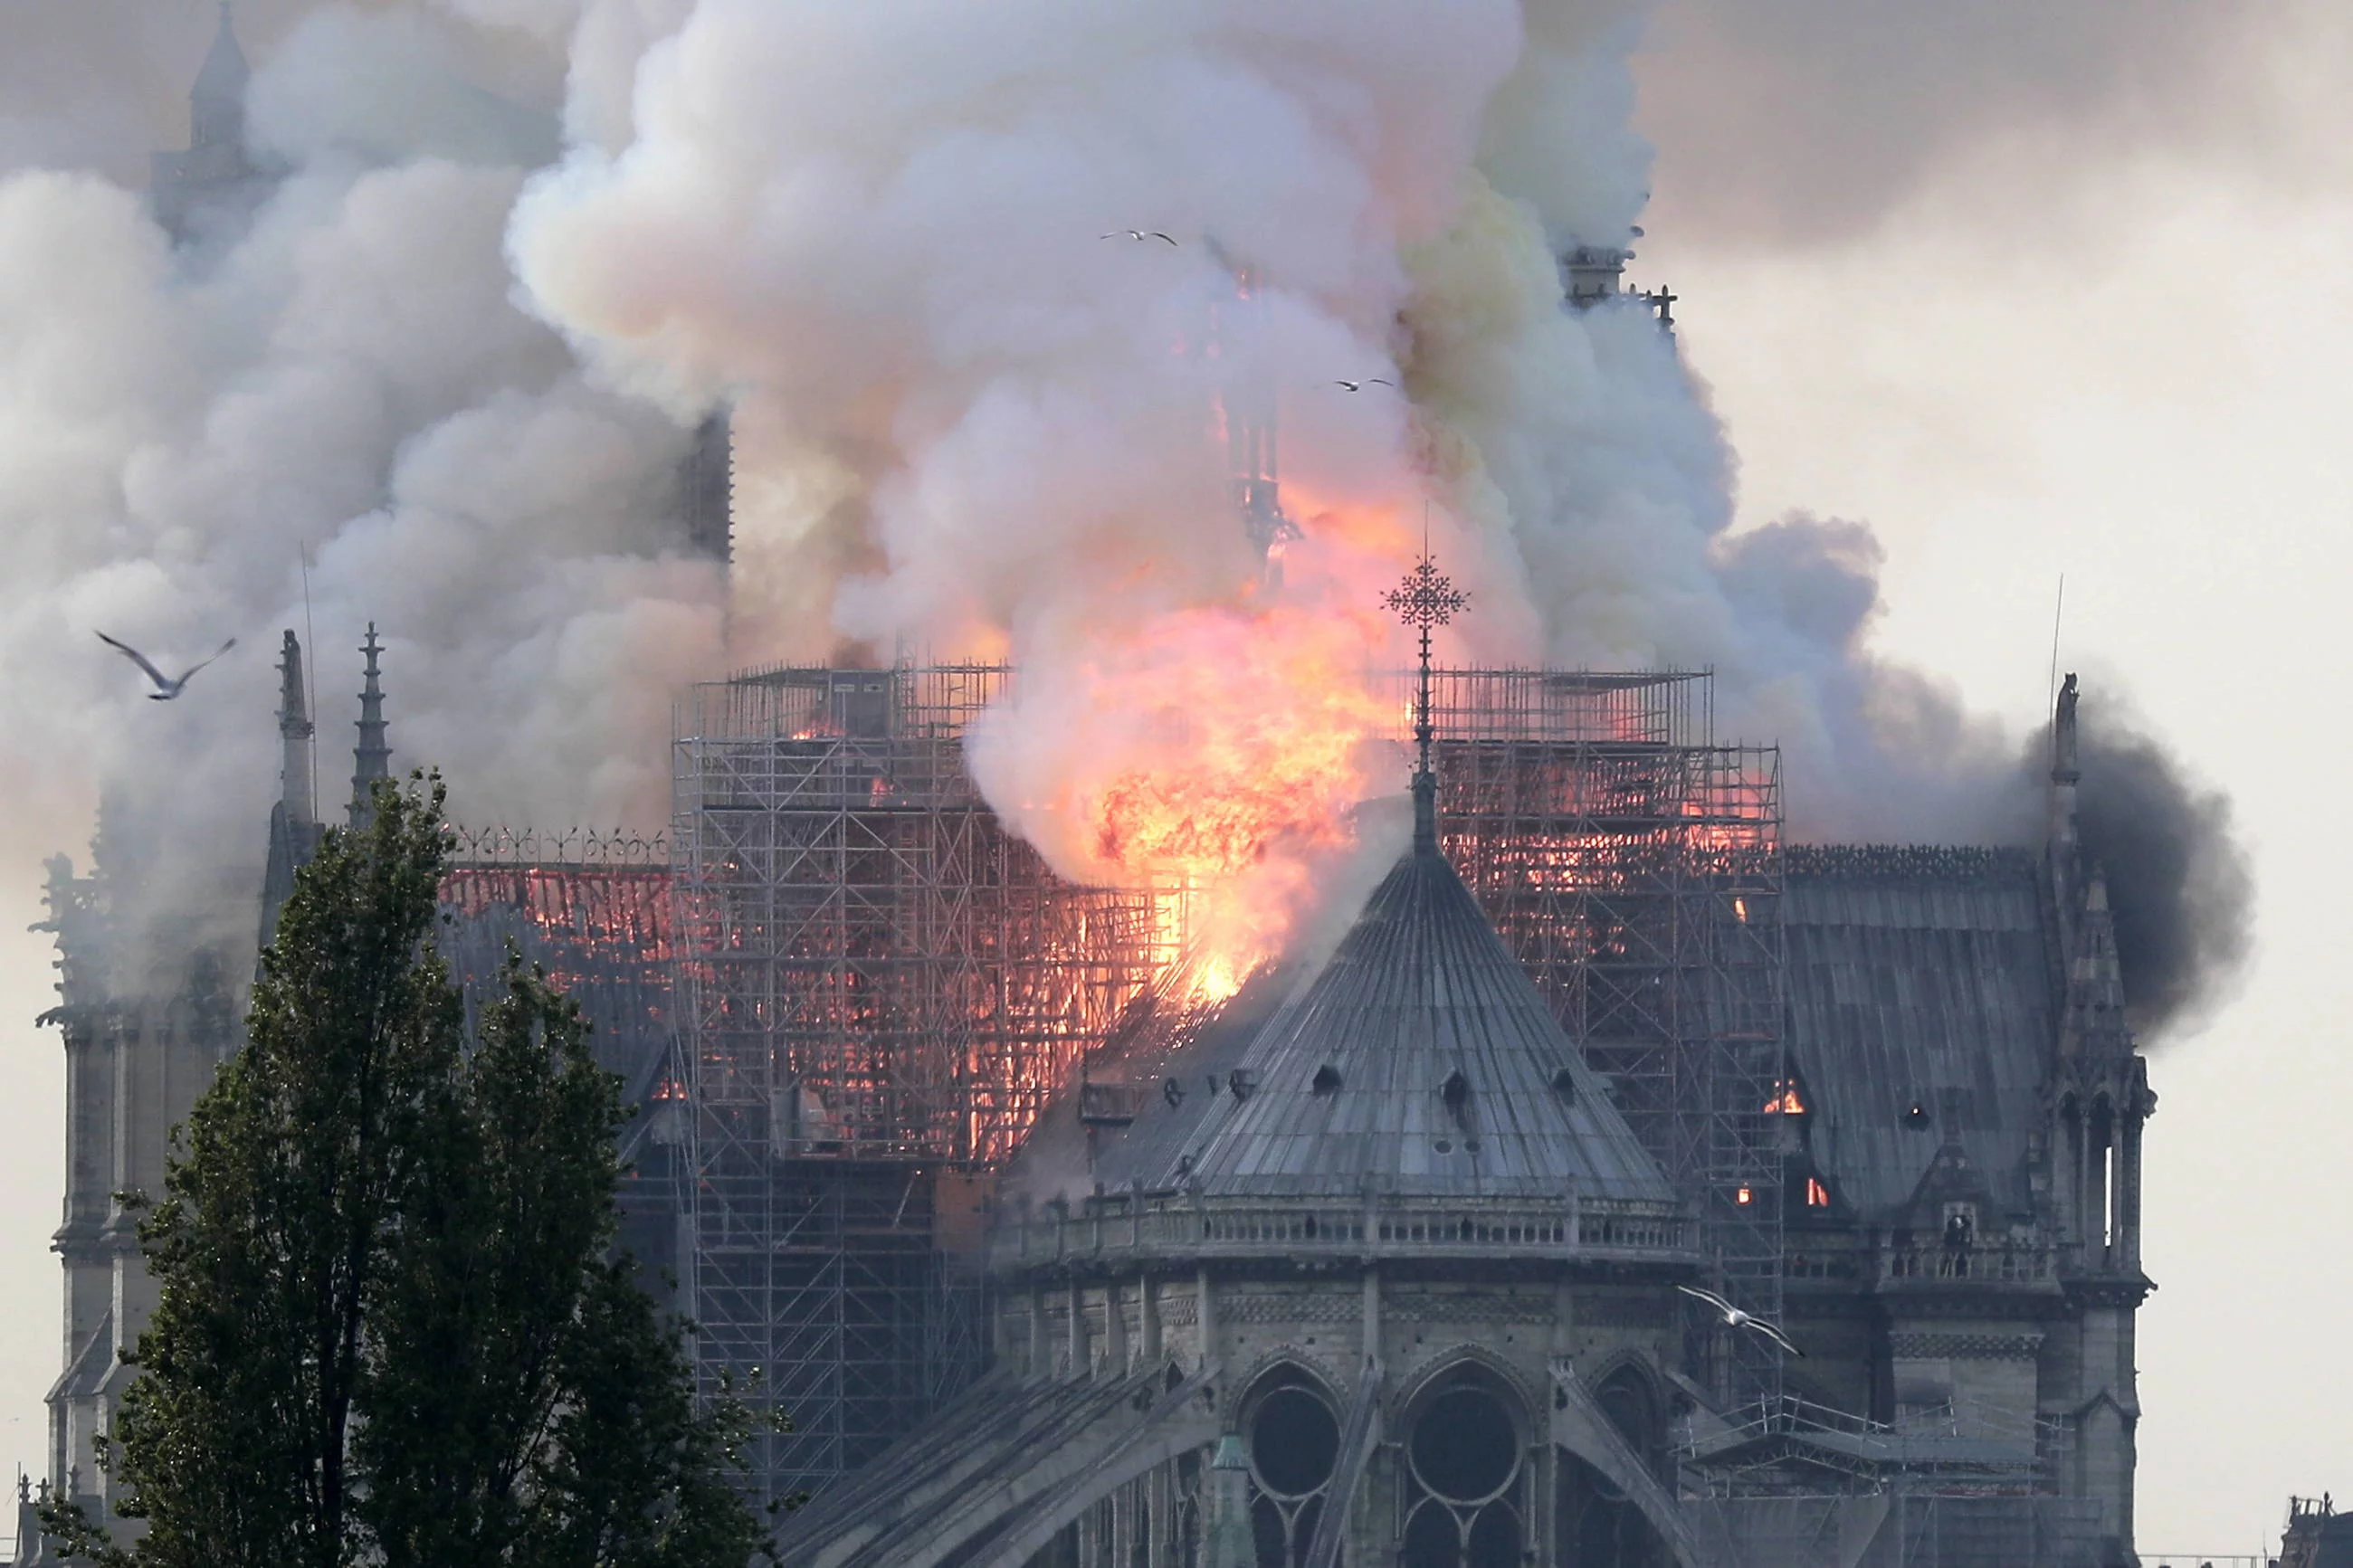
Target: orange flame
<point x="1219" y="754"/>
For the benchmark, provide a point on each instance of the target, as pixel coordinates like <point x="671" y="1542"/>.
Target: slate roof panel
<point x="1421" y="988"/>
<point x="1928" y="979"/>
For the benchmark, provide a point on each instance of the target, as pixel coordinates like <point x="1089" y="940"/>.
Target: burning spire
<point x="1246" y="408"/>
<point x="1425" y="599"/>
<point x="372" y="758"/>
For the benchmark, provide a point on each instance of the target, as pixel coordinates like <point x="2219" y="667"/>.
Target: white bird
<point x="1736" y="1319"/>
<point x="1368" y="380"/>
<point x="1137" y="234"/>
<point x="166" y="688"/>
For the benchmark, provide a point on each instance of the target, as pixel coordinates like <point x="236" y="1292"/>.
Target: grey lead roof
<point x="1915" y="978"/>
<point x="1347" y="1083"/>
<point x="1923" y="980"/>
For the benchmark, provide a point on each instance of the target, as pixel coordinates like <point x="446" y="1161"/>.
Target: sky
<point x="2033" y="291"/>
<point x="2038" y="294"/>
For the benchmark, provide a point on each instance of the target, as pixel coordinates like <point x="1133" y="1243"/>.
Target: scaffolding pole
<point x="880" y="989"/>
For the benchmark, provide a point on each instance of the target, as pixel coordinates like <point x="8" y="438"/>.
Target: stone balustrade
<point x="1119" y="1226"/>
<point x="1997" y="1263"/>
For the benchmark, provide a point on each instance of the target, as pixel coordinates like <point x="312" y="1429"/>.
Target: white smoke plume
<point x="348" y="381"/>
<point x="874" y="228"/>
<point x="453" y="359"/>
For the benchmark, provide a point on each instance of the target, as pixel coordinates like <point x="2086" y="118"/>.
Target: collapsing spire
<point x="372" y="758"/>
<point x="1247" y="411"/>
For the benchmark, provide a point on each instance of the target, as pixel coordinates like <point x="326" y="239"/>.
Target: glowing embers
<point x="1206" y="974"/>
<point x="616" y="913"/>
<point x="1294" y="1448"/>
<point x="1786" y="1100"/>
<point x="1818" y="1197"/>
<point x="1464" y="1490"/>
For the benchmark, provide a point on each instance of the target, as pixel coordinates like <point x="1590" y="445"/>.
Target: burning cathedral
<point x="1060" y="1252"/>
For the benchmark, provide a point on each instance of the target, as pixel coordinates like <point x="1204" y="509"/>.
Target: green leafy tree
<point x="389" y="1330"/>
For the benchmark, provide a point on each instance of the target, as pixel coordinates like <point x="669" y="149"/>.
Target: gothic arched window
<point x="1465" y="1482"/>
<point x="1294" y="1446"/>
<point x="1184" y="1521"/>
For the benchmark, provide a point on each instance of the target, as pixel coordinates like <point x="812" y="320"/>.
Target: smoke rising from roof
<point x="965" y="424"/>
<point x="2179" y="881"/>
<point x="348" y="380"/>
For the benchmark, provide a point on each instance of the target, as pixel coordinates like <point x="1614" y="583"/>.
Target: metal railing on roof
<point x="572" y="847"/>
<point x="1867" y="1256"/>
<point x="1911" y="1436"/>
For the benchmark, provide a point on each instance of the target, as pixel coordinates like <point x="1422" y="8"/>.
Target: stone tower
<point x="149" y="1001"/>
<point x="216" y="183"/>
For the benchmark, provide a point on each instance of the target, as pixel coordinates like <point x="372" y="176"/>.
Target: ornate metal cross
<point x="1425" y="598"/>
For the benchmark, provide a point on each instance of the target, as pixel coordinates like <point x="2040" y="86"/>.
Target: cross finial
<point x="1427" y="598"/>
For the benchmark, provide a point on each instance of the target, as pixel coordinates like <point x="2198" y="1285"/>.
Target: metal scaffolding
<point x="1633" y="865"/>
<point x="879" y="990"/>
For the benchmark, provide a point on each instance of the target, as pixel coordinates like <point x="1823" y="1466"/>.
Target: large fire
<point x="1217" y="753"/>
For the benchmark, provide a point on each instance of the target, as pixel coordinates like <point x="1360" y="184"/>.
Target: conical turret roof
<point x="226" y="70"/>
<point x="1420" y="1059"/>
<point x="218" y="99"/>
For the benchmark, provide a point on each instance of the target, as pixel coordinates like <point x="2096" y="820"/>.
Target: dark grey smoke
<point x="1806" y="121"/>
<point x="2180" y="880"/>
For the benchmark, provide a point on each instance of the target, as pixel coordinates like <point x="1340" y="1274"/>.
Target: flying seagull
<point x="1368" y="380"/>
<point x="1734" y="1318"/>
<point x="1138" y="233"/>
<point x="165" y="687"/>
